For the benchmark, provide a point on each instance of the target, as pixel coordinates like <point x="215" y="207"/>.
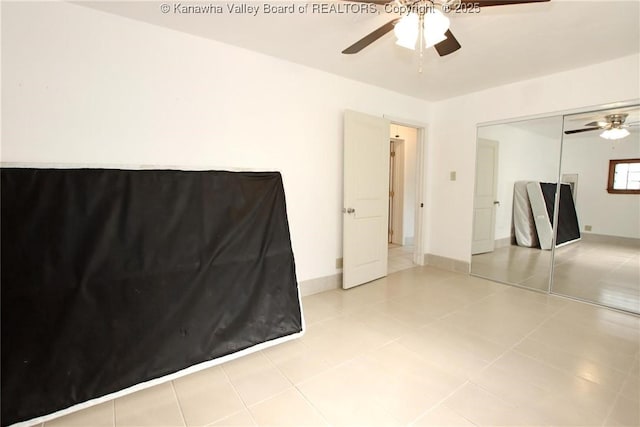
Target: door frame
<point x="396" y="182"/>
<point x="420" y="214"/>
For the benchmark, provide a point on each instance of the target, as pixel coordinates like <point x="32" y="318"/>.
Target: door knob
<point x="496" y="202"/>
<point x="350" y="210"/>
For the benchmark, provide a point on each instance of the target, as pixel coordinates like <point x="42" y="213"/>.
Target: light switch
<point x="452" y="176"/>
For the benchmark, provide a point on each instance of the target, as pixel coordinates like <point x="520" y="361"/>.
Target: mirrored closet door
<point x="601" y="161"/>
<point x="512" y="159"/>
<point x="557" y="206"/>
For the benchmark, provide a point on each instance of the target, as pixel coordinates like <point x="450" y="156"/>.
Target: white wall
<point x="523" y="155"/>
<point x="453" y="136"/>
<point x="84" y="87"/>
<point x="102" y="89"/>
<point x="410" y="154"/>
<point x="588" y="155"/>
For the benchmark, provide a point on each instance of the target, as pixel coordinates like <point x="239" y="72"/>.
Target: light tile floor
<point x="528" y="267"/>
<point x="400" y="258"/>
<point x="422" y="347"/>
<point x="602" y="272"/>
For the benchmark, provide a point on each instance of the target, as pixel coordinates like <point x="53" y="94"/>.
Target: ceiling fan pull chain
<point x="421" y="37"/>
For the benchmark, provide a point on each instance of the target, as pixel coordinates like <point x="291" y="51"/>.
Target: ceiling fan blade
<point x="370" y="38"/>
<point x="569" y="132"/>
<point x="447" y="46"/>
<point x="485" y="3"/>
<point x="599" y="123"/>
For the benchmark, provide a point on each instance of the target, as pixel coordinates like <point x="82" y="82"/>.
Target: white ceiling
<point x="499" y="45"/>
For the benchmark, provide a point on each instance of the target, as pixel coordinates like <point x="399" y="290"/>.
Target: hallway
<point x="400" y="258"/>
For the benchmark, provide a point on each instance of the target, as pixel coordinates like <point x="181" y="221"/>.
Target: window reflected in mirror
<point x="624" y="176"/>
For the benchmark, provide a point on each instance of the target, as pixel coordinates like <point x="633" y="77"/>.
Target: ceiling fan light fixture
<point x="407" y="31"/>
<point x="435" y="27"/>
<point x="614" y="133"/>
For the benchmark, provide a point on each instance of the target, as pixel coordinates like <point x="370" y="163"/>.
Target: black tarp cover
<point x="115" y="277"/>
<point x="568" y="228"/>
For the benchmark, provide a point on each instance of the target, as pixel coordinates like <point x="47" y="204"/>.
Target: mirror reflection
<point x="601" y="159"/>
<point x="516" y="163"/>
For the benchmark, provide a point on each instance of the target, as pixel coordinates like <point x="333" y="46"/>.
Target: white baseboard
<point x="614" y="240"/>
<point x="449" y="264"/>
<point x="320" y="284"/>
<point x="503" y="243"/>
<point x="328" y="283"/>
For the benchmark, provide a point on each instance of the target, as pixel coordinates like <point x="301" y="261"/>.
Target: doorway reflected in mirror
<point x="506" y="244"/>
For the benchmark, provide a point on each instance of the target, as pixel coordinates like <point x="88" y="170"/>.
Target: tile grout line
<point x="306" y="379"/>
<point x="441" y="402"/>
<point x="619" y="394"/>
<point x="233" y="414"/>
<point x="512" y="348"/>
<point x="175" y="395"/>
<point x="235" y="390"/>
<point x="113" y="410"/>
<point x="295" y="386"/>
<point x="331" y="368"/>
<point x="494" y="361"/>
<point x="615" y="401"/>
<point x="556" y="348"/>
<point x="537" y="327"/>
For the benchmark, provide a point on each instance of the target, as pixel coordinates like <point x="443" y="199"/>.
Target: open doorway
<point x="403" y="144"/>
<point x="366" y="196"/>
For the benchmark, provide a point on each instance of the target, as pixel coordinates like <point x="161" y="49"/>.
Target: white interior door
<point x="366" y="198"/>
<point x="484" y="209"/>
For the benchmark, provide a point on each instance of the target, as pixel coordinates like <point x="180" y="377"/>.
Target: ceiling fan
<point x="425" y="14"/>
<point x="614" y="126"/>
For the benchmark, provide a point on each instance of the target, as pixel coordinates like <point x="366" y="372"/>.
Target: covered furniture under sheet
<point x="112" y="278"/>
<point x="524" y="225"/>
<point x="542" y="198"/>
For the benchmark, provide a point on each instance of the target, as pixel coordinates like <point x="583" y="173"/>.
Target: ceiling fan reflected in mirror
<point x="613" y="125"/>
<point x="424" y="21"/>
